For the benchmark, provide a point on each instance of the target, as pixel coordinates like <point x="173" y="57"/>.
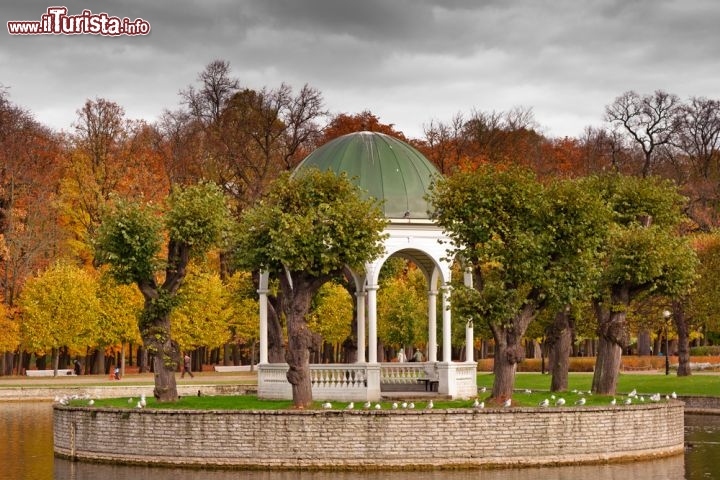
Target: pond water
<point x="26" y="452"/>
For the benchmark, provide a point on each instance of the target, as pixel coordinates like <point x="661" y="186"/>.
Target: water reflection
<point x="664" y="469"/>
<point x="26" y="453"/>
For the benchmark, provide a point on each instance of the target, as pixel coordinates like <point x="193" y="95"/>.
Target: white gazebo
<point x="396" y="173"/>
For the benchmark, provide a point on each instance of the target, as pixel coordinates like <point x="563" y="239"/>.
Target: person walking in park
<point x="186" y="367"/>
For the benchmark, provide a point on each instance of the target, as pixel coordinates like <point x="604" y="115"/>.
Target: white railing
<point x="407" y="373"/>
<point x="338" y="375"/>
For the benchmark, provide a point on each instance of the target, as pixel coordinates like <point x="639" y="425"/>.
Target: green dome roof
<point x="389" y="170"/>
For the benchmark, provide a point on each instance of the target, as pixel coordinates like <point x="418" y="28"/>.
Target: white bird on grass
<point x="395" y="406"/>
<point x="642" y="398"/>
<point x="377" y="406"/>
<point x="350" y="406"/>
<point x="130" y="400"/>
<point x="581" y="401"/>
<point x="327" y="405"/>
<point x="91" y="402"/>
<point x="143" y="402"/>
<point x="560" y="402"/>
<point x="544" y="403"/>
<point x="527" y="390"/>
<point x="404" y="405"/>
<point x="613" y="401"/>
<point x="139" y="405"/>
<point x="476" y="403"/>
<point x="633" y="393"/>
<point x="411" y="405"/>
<point x="366" y="405"/>
<point x="673" y="395"/>
<point x="628" y="401"/>
<point x="655" y="397"/>
<point x="552" y="397"/>
<point x="507" y="402"/>
<point x="430" y="405"/>
<point x="483" y="389"/>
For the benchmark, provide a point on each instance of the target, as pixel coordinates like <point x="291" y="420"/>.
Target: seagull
<point x="480" y="405"/>
<point x="139" y="405"/>
<point x="552" y="397"/>
<point x="633" y="393"/>
<point x="143" y="402"/>
<point x="91" y="402"/>
<point x="411" y="405"/>
<point x="350" y="406"/>
<point x="642" y="399"/>
<point x="395" y="406"/>
<point x="483" y="390"/>
<point x="560" y="402"/>
<point x="327" y="405"/>
<point x="613" y="401"/>
<point x="404" y="405"/>
<point x="628" y="401"/>
<point x="377" y="406"/>
<point x="130" y="400"/>
<point x="507" y="402"/>
<point x="574" y="390"/>
<point x="581" y="401"/>
<point x="673" y="395"/>
<point x="667" y="397"/>
<point x="527" y="390"/>
<point x="544" y="403"/>
<point x="476" y="403"/>
<point x="366" y="405"/>
<point x="655" y="397"/>
<point x="430" y="405"/>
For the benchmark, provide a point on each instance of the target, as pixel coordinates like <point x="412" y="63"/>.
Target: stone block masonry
<point x="358" y="439"/>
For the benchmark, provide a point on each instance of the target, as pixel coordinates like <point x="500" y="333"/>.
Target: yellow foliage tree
<point x="120" y="308"/>
<point x="204" y="312"/>
<point x="245" y="323"/>
<point x="60" y="308"/>
<point x="9" y="331"/>
<point x="332" y="314"/>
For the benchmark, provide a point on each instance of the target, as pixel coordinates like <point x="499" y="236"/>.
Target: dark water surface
<point x="26" y="452"/>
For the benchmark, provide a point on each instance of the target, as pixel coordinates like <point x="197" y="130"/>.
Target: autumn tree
<point x="643" y="255"/>
<point x="30" y="170"/>
<point x="203" y="315"/>
<point x="59" y="309"/>
<point x="528" y="246"/>
<point x="402" y="309"/>
<point x="331" y="315"/>
<point x="9" y="339"/>
<point x="129" y="241"/>
<point x="649" y="120"/>
<point x="304" y="232"/>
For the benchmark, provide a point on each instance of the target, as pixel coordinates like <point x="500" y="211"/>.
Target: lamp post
<point x="667" y="315"/>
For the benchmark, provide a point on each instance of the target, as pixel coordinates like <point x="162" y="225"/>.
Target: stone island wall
<point x="358" y="439"/>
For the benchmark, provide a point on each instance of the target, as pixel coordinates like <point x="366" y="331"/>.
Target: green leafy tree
<point x="529" y="246"/>
<point x="129" y="241"/>
<point x="305" y="231"/>
<point x="60" y="308"/>
<point x="644" y="255"/>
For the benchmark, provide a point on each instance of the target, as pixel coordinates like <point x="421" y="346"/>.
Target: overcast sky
<point x="407" y="61"/>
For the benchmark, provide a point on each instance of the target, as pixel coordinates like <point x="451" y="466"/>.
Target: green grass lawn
<point x="648" y="384"/>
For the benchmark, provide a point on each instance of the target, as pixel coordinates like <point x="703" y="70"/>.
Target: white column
<point x="467" y="277"/>
<point x="447" y="346"/>
<point x="432" y="326"/>
<point x="360" y="296"/>
<point x="263" y="326"/>
<point x="469" y="342"/>
<point x="372" y="323"/>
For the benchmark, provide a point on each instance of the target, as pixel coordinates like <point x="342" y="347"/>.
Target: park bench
<point x="231" y="368"/>
<point x="49" y="373"/>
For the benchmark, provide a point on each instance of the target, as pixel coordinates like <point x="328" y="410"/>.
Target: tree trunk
<point x="612" y="333"/>
<point x="166" y="356"/>
<point x="644" y="342"/>
<point x="297" y="295"/>
<point x="559" y="342"/>
<point x="55" y="357"/>
<point x="509" y="351"/>
<point x="683" y="349"/>
<point x="276" y="341"/>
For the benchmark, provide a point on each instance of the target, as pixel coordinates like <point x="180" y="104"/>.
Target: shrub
<point x="706" y="351"/>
